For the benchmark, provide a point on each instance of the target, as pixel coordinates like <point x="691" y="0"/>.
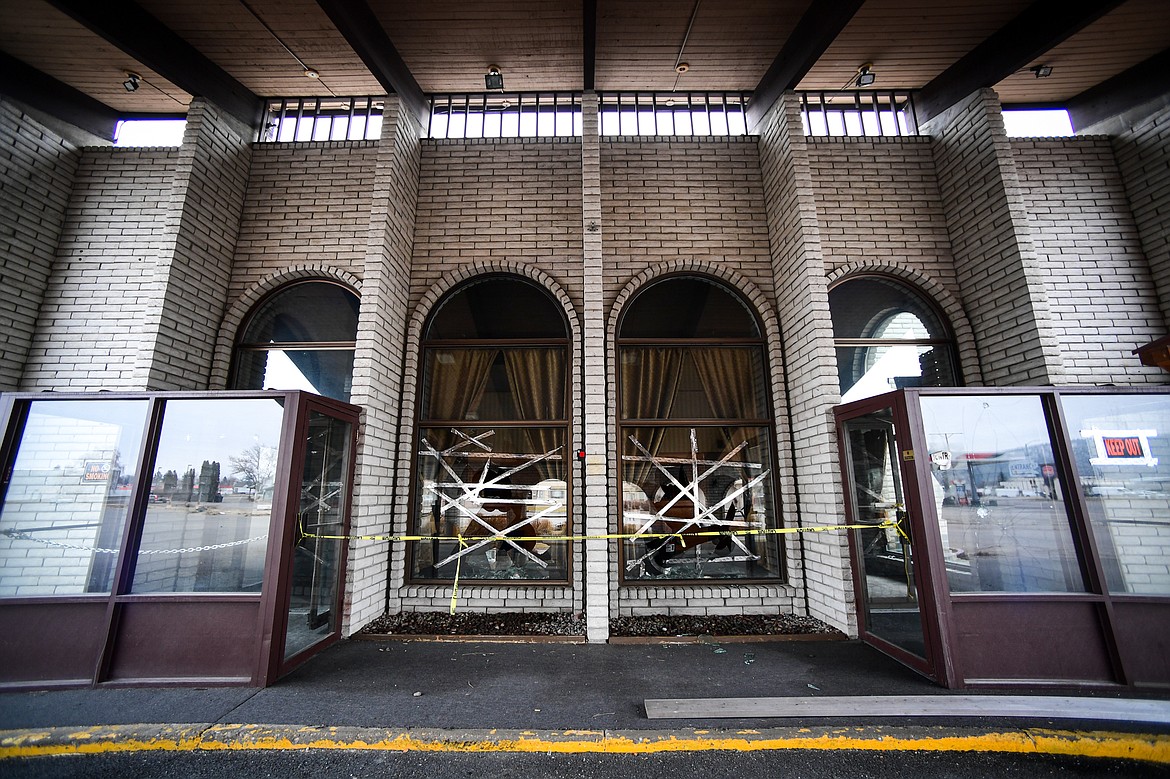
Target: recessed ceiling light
<point x="310" y="73"/>
<point x="682" y="67"/>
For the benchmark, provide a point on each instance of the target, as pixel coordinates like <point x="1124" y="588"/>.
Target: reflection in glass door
<point x="883" y="556"/>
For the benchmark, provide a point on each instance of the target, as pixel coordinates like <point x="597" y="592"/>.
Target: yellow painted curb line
<point x="203" y="738"/>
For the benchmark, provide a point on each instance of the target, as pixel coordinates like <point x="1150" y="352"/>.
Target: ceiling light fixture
<point x="865" y="75"/>
<point x="310" y="73"/>
<point x="1042" y="71"/>
<point x="494" y="78"/>
<point x="131" y="82"/>
<point x="682" y="67"/>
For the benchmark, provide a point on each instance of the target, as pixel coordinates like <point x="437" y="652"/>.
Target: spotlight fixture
<point x="865" y="75"/>
<point x="310" y="73"/>
<point x="682" y="67"/>
<point x="131" y="82"/>
<point x="1042" y="71"/>
<point x="494" y="78"/>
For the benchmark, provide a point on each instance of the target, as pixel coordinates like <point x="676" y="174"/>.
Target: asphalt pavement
<point x="389" y="707"/>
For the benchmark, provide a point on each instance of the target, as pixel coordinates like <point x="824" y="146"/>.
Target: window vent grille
<point x="864" y="113"/>
<point x="505" y="115"/>
<point x="298" y="120"/>
<point x="673" y="113"/>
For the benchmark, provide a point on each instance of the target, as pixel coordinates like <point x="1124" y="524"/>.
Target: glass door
<point x="883" y="554"/>
<point x="318" y="557"/>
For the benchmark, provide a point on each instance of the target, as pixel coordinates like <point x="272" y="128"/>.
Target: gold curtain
<point x="458" y="378"/>
<point x="728" y="378"/>
<point x="649" y="384"/>
<point x="537" y="380"/>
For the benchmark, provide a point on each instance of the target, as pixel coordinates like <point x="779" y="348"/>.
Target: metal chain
<point x="100" y="550"/>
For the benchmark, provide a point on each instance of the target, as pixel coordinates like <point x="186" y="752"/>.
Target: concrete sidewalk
<point x="401" y="695"/>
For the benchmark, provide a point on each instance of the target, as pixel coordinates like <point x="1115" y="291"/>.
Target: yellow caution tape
<point x="609" y="536"/>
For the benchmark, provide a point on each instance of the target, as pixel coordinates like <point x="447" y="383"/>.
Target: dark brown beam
<point x="589" y="42"/>
<point x="57" y="99"/>
<point x="816" y="30"/>
<point x="362" y="30"/>
<point x="1041" y="27"/>
<point x="1142" y="83"/>
<point x="146" y="39"/>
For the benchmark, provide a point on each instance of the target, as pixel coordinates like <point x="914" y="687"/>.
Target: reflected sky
<point x="198" y="430"/>
<point x="983" y="423"/>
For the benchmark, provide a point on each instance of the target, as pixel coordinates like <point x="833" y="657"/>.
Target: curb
<point x="107" y="739"/>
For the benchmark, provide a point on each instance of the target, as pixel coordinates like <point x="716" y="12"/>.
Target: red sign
<point x="1129" y="446"/>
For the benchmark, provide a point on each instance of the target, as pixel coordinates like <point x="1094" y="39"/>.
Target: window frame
<point x="767" y="424"/>
<point x="563" y="423"/>
<point x="239" y="346"/>
<point x="948" y="340"/>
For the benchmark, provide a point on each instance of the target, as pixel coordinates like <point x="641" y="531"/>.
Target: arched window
<point x="888" y="336"/>
<point x="299" y="337"/>
<point x="695" y="433"/>
<point x="492" y="431"/>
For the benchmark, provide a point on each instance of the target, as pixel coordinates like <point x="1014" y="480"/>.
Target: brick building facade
<point x="134" y="269"/>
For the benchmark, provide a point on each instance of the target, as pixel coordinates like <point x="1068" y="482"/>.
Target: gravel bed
<point x="426" y="623"/>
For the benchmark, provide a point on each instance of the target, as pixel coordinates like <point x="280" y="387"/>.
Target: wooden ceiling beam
<point x="812" y="35"/>
<point x="364" y="32"/>
<point x="1040" y="28"/>
<point x="44" y="93"/>
<point x="128" y="26"/>
<point x="1143" y="83"/>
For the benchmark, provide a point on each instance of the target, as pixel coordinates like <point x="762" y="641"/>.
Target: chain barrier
<point x="16" y="534"/>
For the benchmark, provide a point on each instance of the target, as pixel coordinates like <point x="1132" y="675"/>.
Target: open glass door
<point x="318" y="557"/>
<point x="890" y="610"/>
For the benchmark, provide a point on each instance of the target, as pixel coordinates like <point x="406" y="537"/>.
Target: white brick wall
<point x="693" y="199"/>
<point x="497" y="205"/>
<point x="515" y="200"/>
<point x="1143" y="155"/>
<point x="877" y="200"/>
<point x="1100" y="291"/>
<point x="998" y="272"/>
<point x="36" y="177"/>
<point x="188" y="290"/>
<point x="809" y="361"/>
<point x="90" y="324"/>
<point x="307" y="204"/>
<point x="383" y="464"/>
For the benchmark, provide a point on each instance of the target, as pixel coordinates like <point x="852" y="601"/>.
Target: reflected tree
<point x="256" y="467"/>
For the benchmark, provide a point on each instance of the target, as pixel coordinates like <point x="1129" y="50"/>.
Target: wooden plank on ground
<point x="1033" y="706"/>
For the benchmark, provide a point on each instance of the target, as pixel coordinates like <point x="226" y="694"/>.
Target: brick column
<point x="595" y="415"/>
<point x="188" y="291"/>
<point x="38" y="172"/>
<point x="999" y="276"/>
<point x="1143" y="156"/>
<point x="383" y="464"/>
<point x="810" y="368"/>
